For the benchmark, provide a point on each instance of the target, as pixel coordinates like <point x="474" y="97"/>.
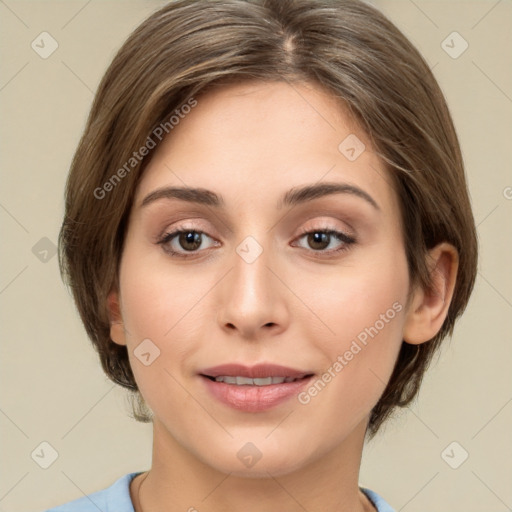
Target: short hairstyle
<point x="346" y="47"/>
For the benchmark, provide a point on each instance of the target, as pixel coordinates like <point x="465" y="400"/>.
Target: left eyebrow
<point x="299" y="195"/>
<point x="292" y="197"/>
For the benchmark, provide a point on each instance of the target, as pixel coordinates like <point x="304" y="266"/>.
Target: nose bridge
<point x="250" y="276"/>
<point x="251" y="297"/>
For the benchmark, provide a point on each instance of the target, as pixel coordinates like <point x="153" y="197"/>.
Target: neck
<point x="328" y="483"/>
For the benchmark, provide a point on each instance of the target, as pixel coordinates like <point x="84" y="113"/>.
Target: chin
<point x="258" y="459"/>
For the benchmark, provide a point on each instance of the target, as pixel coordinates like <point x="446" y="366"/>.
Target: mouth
<point x="256" y="388"/>
<point x="247" y="381"/>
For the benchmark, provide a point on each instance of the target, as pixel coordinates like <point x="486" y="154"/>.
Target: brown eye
<point x="189" y="240"/>
<point x="318" y="240"/>
<point x="183" y="241"/>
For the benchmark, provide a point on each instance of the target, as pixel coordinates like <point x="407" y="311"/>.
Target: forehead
<point x="254" y="141"/>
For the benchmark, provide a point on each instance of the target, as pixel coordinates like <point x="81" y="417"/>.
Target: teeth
<point x="227" y="380"/>
<point x="240" y="381"/>
<point x="263" y="382"/>
<point x="246" y="381"/>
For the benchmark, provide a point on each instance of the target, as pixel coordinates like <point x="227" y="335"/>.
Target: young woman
<point x="264" y="243"/>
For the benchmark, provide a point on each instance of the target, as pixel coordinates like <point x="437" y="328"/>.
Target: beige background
<point x="53" y="389"/>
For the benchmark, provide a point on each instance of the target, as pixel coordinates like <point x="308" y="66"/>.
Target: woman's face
<point x="256" y="280"/>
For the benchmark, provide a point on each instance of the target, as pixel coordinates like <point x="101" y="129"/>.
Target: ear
<point x="428" y="308"/>
<point x="117" y="332"/>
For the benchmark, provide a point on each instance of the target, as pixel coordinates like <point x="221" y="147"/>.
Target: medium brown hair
<point x="344" y="46"/>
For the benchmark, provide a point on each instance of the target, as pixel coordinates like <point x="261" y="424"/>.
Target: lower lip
<point x="254" y="398"/>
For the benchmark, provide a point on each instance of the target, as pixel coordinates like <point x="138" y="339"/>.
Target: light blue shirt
<point x="116" y="498"/>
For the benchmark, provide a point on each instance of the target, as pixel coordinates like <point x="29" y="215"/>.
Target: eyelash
<point x="346" y="240"/>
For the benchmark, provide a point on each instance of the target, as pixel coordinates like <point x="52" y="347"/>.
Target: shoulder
<point x="378" y="501"/>
<point x="115" y="498"/>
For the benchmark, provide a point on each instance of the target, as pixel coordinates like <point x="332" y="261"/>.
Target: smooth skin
<point x="299" y="304"/>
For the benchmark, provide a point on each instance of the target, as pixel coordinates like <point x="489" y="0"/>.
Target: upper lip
<point x="257" y="371"/>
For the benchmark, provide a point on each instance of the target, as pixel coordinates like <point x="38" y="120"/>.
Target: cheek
<point x="362" y="312"/>
<point x="354" y="296"/>
<point x="157" y="297"/>
<point x="161" y="313"/>
<point x="166" y="306"/>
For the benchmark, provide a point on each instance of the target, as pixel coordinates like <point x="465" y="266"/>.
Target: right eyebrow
<point x="192" y="195"/>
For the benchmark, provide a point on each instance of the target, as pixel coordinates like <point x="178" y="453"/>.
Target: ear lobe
<point x="117" y="333"/>
<point x="429" y="308"/>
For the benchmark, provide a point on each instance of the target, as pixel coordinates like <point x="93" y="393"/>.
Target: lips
<point x="256" y="388"/>
<point x="259" y="371"/>
<point x="247" y="381"/>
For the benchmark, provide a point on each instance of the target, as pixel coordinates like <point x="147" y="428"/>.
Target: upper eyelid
<point x="185" y="227"/>
<point x="326" y="223"/>
<point x="222" y="224"/>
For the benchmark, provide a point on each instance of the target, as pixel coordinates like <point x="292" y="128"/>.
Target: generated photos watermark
<point x="357" y="345"/>
<point x="156" y="136"/>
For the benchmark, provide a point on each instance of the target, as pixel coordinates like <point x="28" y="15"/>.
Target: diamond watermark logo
<point x="454" y="45"/>
<point x="454" y="455"/>
<point x="44" y="250"/>
<point x="249" y="249"/>
<point x="351" y="147"/>
<point x="249" y="454"/>
<point x="44" y="45"/>
<point x="44" y="455"/>
<point x="146" y="352"/>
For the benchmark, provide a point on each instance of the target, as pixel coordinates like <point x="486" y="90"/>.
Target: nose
<point x="252" y="297"/>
